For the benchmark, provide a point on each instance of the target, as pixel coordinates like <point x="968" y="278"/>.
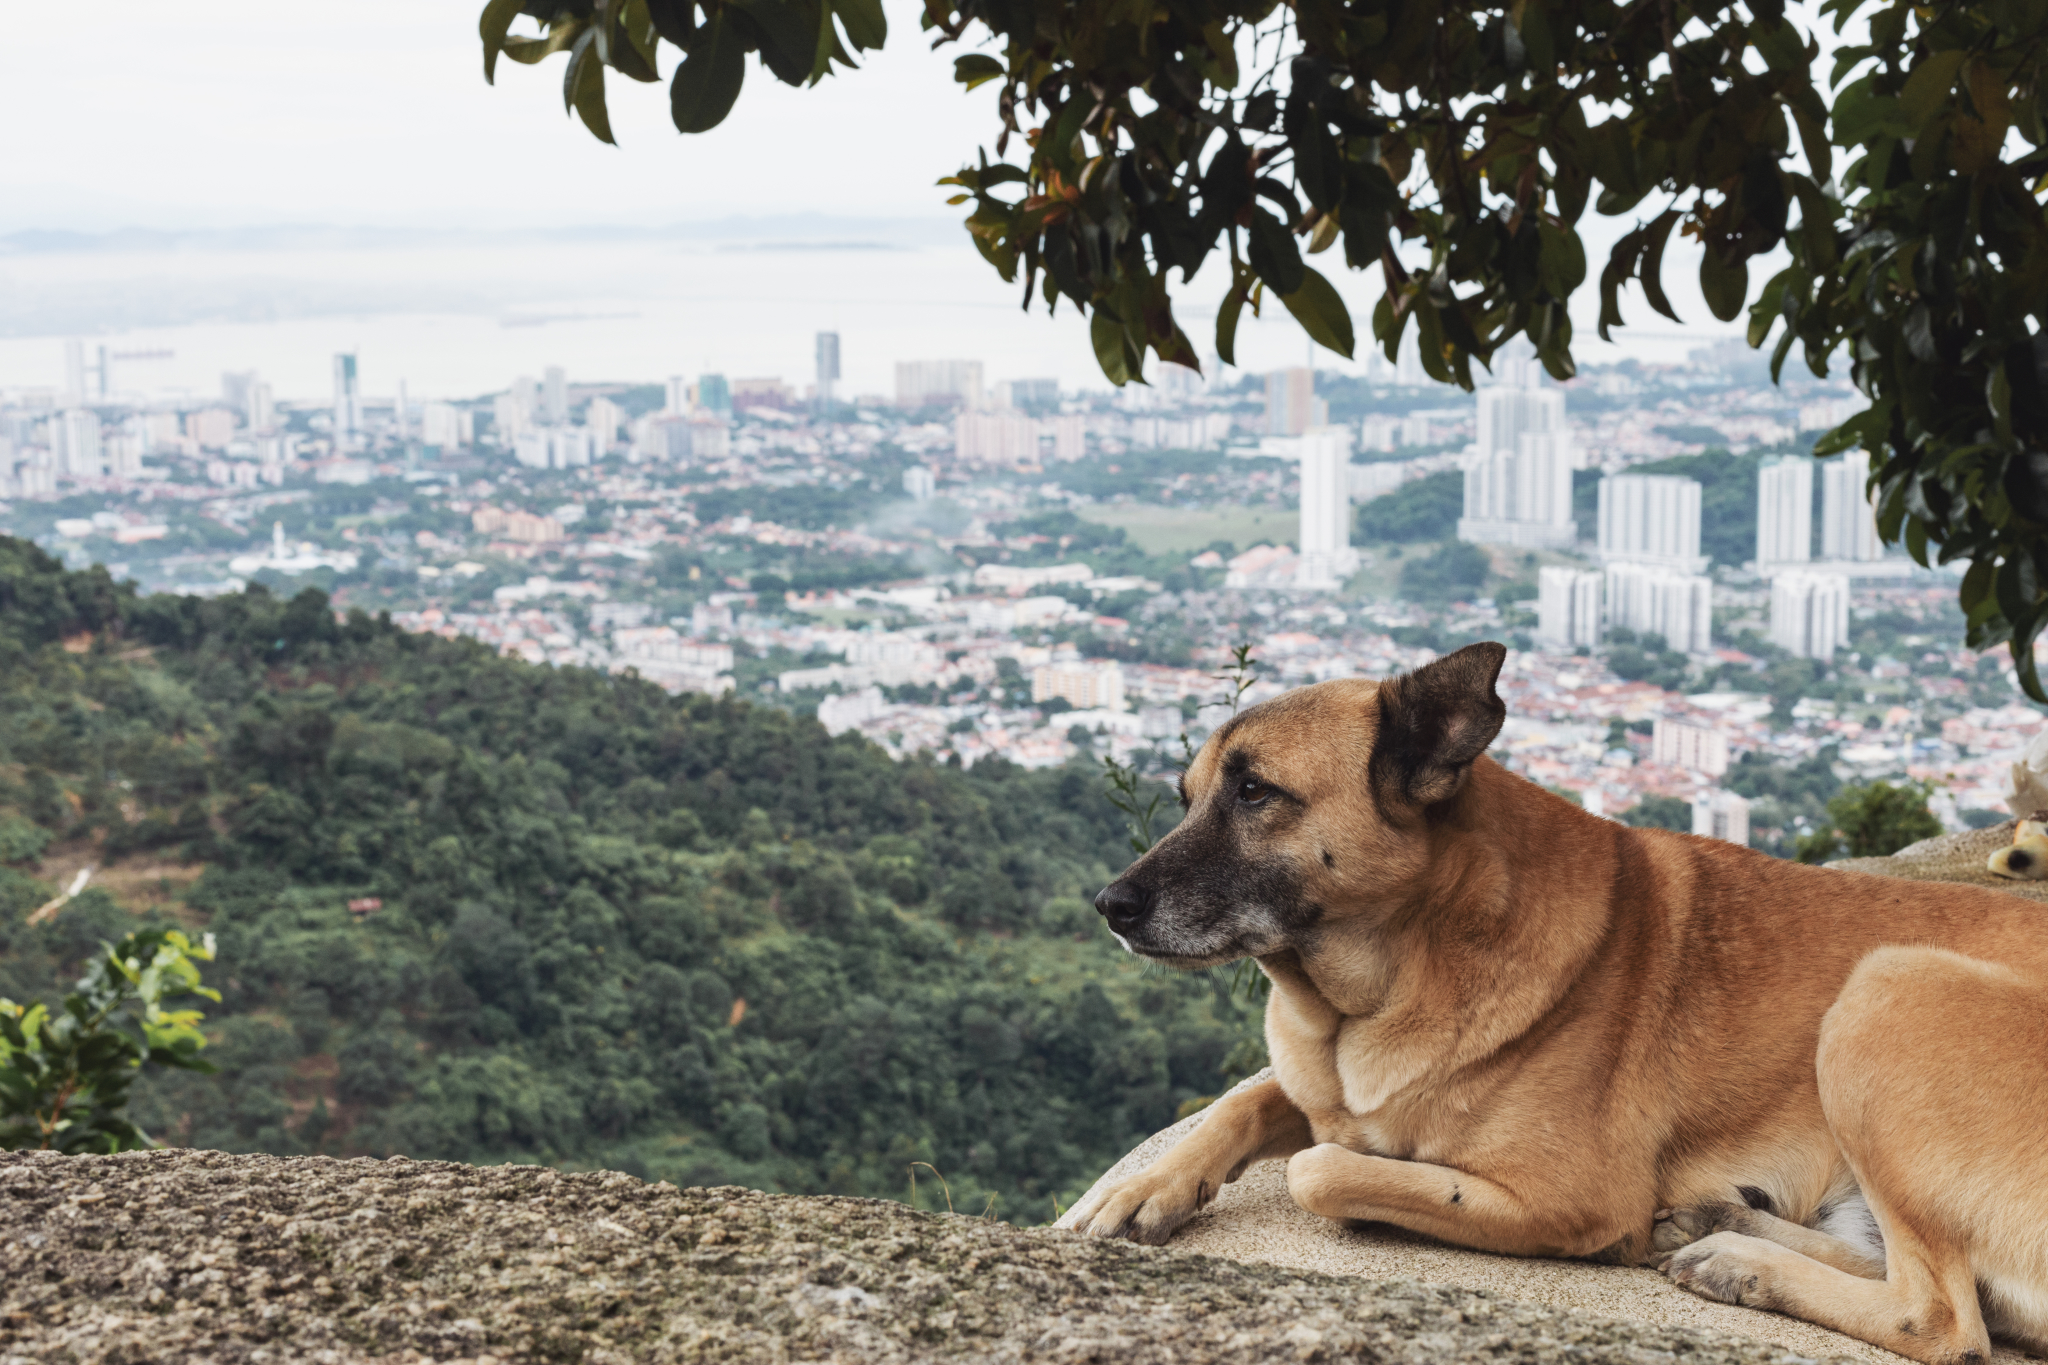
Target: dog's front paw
<point x="1149" y="1207"/>
<point x="1677" y="1228"/>
<point x="1728" y="1267"/>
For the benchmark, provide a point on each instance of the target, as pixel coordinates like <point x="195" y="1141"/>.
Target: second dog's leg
<point x="1933" y="1080"/>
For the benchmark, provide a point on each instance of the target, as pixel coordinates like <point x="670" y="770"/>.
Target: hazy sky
<point x="243" y="112"/>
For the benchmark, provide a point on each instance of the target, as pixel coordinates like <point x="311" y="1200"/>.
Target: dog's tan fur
<point x="1508" y="1024"/>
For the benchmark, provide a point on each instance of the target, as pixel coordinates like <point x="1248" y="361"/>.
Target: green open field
<point x="1160" y="530"/>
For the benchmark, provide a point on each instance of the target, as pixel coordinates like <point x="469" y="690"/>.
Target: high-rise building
<point x="921" y="383"/>
<point x="1679" y="745"/>
<point x="1784" y="511"/>
<point x="1518" y="473"/>
<point x="1810" y="613"/>
<point x="1291" y="403"/>
<point x="1654" y="599"/>
<point x="828" y="369"/>
<point x="554" y="395"/>
<point x="261" y="411"/>
<point x="679" y="399"/>
<point x="919" y="483"/>
<point x="401" y="414"/>
<point x="75" y="443"/>
<point x="1651" y="519"/>
<point x="1028" y="393"/>
<point x="1086" y="686"/>
<point x="348" y="398"/>
<point x="1069" y="436"/>
<point x="604" y="418"/>
<point x="1848" y="521"/>
<point x="1718" y="814"/>
<point x="1568" y="607"/>
<point x="1002" y="437"/>
<point x="1327" y="558"/>
<point x="234" y="388"/>
<point x="446" y="427"/>
<point x="714" y="394"/>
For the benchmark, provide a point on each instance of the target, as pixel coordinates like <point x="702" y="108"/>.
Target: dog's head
<point x="1307" y="810"/>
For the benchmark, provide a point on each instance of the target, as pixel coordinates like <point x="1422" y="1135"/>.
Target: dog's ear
<point x="1434" y="722"/>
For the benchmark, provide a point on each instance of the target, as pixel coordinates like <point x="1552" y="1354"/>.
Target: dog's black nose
<point x="1123" y="904"/>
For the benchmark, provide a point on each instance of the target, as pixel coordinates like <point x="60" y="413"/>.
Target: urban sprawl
<point x="968" y="571"/>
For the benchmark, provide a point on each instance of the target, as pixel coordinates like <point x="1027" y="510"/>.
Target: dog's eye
<point x="1252" y="791"/>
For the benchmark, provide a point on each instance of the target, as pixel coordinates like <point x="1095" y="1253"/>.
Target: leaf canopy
<point x="1456" y="149"/>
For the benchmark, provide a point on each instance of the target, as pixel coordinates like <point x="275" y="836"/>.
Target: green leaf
<point x="583" y="87"/>
<point x="709" y="80"/>
<point x="1725" y="286"/>
<point x="1928" y="87"/>
<point x="494" y="24"/>
<point x="1273" y="253"/>
<point x="1226" y="318"/>
<point x="1321" y="312"/>
<point x="867" y="28"/>
<point x="1107" y="336"/>
<point x="1561" y="264"/>
<point x="976" y="68"/>
<point x="1651" y="274"/>
<point x="787" y="38"/>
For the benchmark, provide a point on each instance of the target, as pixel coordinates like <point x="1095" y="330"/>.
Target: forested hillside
<point x="690" y="939"/>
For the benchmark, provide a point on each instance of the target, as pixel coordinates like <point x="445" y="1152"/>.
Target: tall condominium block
<point x="1784" y="511"/>
<point x="604" y="418"/>
<point x="235" y="386"/>
<point x="1651" y="519"/>
<point x="921" y="383"/>
<point x="1568" y="607"/>
<point x="554" y="394"/>
<point x="348" y="398"/>
<point x="1678" y="745"/>
<point x="1327" y="558"/>
<point x="1810" y="613"/>
<point x="75" y="390"/>
<point x="75" y="443"/>
<point x="678" y="400"/>
<point x="261" y="411"/>
<point x="1291" y="403"/>
<point x="1654" y="599"/>
<point x="1004" y="437"/>
<point x="828" y="368"/>
<point x="1518" y="474"/>
<point x="919" y="483"/>
<point x="1718" y="814"/>
<point x="714" y="393"/>
<point x="1848" y="521"/>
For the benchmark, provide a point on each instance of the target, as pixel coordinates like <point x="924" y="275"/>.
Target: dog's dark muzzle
<point x="1125" y="905"/>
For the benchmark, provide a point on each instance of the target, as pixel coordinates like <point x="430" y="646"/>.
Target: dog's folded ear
<point x="1434" y="722"/>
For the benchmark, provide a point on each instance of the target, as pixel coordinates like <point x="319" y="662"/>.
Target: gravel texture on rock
<point x="181" y="1256"/>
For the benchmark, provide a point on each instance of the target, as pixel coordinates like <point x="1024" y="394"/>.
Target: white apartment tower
<point x="1651" y="519"/>
<point x="1848" y="522"/>
<point x="920" y="383"/>
<point x="1784" y="512"/>
<point x="75" y="443"/>
<point x="348" y="398"/>
<point x="1718" y="814"/>
<point x="678" y="395"/>
<point x="1653" y="599"/>
<point x="828" y="368"/>
<point x="555" y="394"/>
<point x="1327" y="558"/>
<point x="1518" y="474"/>
<point x="1291" y="403"/>
<point x="1810" y="613"/>
<point x="1568" y="607"/>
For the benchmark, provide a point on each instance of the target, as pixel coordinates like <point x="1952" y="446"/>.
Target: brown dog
<point x="1508" y="1024"/>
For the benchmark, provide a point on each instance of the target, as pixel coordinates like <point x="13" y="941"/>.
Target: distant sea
<point x="460" y="315"/>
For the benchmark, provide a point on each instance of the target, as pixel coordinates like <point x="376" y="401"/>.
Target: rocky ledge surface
<point x="180" y="1256"/>
<point x="1953" y="858"/>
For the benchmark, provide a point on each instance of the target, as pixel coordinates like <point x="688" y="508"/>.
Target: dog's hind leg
<point x="1677" y="1228"/>
<point x="1934" y="1080"/>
